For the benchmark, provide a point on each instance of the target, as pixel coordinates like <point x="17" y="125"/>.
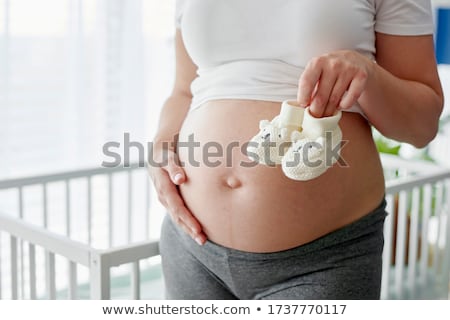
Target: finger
<point x="199" y="238"/>
<point x="320" y="99"/>
<point x="308" y="81"/>
<point x="184" y="218"/>
<point x="166" y="189"/>
<point x="181" y="219"/>
<point x="175" y="171"/>
<point x="181" y="214"/>
<point x="341" y="85"/>
<point x="355" y="90"/>
<point x="169" y="196"/>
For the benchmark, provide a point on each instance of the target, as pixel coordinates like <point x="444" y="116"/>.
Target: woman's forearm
<point x="171" y="119"/>
<point x="403" y="110"/>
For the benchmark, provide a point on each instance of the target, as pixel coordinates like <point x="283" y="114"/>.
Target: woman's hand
<point x="334" y="81"/>
<point x="166" y="177"/>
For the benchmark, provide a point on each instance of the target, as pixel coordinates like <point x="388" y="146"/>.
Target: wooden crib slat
<point x="44" y="205"/>
<point x="130" y="206"/>
<point x="446" y="262"/>
<point x="426" y="212"/>
<point x="110" y="211"/>
<point x="21" y="266"/>
<point x="100" y="278"/>
<point x="68" y="211"/>
<point x="413" y="240"/>
<point x="49" y="257"/>
<point x="438" y="217"/>
<point x="72" y="292"/>
<point x="401" y="243"/>
<point x="50" y="275"/>
<point x="72" y="283"/>
<point x="135" y="281"/>
<point x="387" y="251"/>
<point x="32" y="270"/>
<point x="14" y="265"/>
<point x="20" y="202"/>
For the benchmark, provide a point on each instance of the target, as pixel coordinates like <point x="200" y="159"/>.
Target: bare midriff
<point x="256" y="208"/>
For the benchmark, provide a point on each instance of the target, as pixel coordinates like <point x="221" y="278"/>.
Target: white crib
<point x="72" y="251"/>
<point x="103" y="221"/>
<point x="416" y="257"/>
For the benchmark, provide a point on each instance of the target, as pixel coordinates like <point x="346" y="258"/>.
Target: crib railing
<point x="99" y="262"/>
<point x="416" y="255"/>
<point x="77" y="249"/>
<point x="87" y="175"/>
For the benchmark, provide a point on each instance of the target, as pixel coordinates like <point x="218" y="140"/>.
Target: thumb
<point x="175" y="171"/>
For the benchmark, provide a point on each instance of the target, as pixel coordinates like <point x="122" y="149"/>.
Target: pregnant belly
<point x="256" y="208"/>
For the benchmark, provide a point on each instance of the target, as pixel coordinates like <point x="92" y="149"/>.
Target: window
<point x="75" y="74"/>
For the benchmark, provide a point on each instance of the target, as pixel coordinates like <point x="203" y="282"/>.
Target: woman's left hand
<point x="334" y="81"/>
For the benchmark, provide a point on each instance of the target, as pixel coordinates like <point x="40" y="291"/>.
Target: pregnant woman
<point x="242" y="229"/>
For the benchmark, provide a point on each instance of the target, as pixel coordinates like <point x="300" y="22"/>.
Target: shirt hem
<point x="405" y="30"/>
<point x="268" y="98"/>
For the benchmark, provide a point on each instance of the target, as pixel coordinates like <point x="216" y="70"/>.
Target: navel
<point x="232" y="182"/>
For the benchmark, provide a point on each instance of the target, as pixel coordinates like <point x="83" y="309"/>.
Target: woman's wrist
<point x="160" y="149"/>
<point x="165" y="141"/>
<point x="372" y="85"/>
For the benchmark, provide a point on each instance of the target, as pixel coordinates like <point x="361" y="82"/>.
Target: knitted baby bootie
<point x="270" y="144"/>
<point x="315" y="149"/>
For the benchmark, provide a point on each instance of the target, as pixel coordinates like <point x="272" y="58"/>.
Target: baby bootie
<point x="274" y="138"/>
<point x="314" y="149"/>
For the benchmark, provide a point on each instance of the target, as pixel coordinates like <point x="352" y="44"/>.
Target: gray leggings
<point x="344" y="264"/>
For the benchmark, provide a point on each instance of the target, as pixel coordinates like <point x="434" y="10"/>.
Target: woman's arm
<point x="168" y="174"/>
<point x="401" y="94"/>
<point x="177" y="105"/>
<point x="403" y="98"/>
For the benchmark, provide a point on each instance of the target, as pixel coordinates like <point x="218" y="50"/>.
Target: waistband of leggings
<point x="371" y="222"/>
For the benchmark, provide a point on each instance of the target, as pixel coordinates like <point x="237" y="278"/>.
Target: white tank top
<point x="257" y="49"/>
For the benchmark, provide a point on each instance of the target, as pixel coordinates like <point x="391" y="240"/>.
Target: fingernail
<point x="199" y="241"/>
<point x="302" y="104"/>
<point x="178" y="177"/>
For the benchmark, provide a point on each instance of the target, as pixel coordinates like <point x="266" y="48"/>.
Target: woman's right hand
<point x="166" y="176"/>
